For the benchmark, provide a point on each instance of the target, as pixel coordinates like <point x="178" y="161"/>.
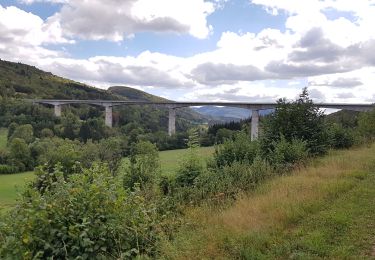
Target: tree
<point x="144" y="165"/>
<point x="19" y="154"/>
<point x="93" y="129"/>
<point x="111" y="151"/>
<point x="299" y="119"/>
<point x="25" y="132"/>
<point x="71" y="126"/>
<point x="191" y="166"/>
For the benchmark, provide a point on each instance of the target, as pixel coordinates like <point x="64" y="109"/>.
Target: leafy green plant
<point x="238" y="149"/>
<point x="286" y="154"/>
<point x="340" y="137"/>
<point x="144" y="165"/>
<point x="87" y="216"/>
<point x="8" y="169"/>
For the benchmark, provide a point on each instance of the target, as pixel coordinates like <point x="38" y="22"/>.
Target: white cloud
<point x="23" y="28"/>
<point x="334" y="55"/>
<point x="115" y="20"/>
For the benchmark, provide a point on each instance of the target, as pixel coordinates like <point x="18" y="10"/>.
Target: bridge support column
<point x="108" y="115"/>
<point x="57" y="110"/>
<point x="172" y="121"/>
<point x="254" y="124"/>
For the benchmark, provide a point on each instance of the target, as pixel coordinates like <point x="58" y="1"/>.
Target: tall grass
<point x="275" y="206"/>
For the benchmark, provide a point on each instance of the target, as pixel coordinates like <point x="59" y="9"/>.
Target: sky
<point x="201" y="50"/>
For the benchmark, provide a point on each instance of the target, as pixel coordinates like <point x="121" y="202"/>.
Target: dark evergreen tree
<point x="299" y="119"/>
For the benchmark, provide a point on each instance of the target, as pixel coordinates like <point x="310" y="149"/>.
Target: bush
<point x="25" y="132"/>
<point x="366" y="124"/>
<point x="285" y="155"/>
<point x="240" y="149"/>
<point x="189" y="169"/>
<point x="89" y="216"/>
<point x="231" y="179"/>
<point x="340" y="137"/>
<point x="8" y="169"/>
<point x="144" y="165"/>
<point x="20" y="155"/>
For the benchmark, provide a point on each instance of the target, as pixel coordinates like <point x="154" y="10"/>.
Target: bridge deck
<point x="173" y="104"/>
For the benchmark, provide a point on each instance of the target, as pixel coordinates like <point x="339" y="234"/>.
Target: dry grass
<point x="276" y="205"/>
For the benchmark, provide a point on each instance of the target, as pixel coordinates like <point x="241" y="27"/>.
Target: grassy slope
<point x="169" y="161"/>
<point x="324" y="211"/>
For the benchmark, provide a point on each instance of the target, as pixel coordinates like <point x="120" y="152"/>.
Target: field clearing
<point x="170" y="159"/>
<point x="10" y="184"/>
<point x="324" y="211"/>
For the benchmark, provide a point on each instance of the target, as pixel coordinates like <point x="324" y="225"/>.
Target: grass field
<point x="325" y="211"/>
<point x="9" y="184"/>
<point x="169" y="163"/>
<point x="170" y="159"/>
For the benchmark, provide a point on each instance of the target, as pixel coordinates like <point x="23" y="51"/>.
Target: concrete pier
<point x="172" y="106"/>
<point x="172" y="121"/>
<point x="57" y="109"/>
<point x="108" y="115"/>
<point x="254" y="124"/>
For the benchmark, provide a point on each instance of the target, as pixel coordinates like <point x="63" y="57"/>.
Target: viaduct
<point x="172" y="106"/>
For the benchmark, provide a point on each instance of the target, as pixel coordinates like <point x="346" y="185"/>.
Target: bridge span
<point x="172" y="106"/>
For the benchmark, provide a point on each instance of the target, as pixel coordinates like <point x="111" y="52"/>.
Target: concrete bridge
<point x="172" y="106"/>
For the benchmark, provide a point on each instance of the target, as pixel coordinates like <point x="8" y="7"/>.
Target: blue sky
<point x="234" y="50"/>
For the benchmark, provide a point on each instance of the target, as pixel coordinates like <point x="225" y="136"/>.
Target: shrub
<point x="144" y="165"/>
<point x="231" y="179"/>
<point x="46" y="132"/>
<point x="340" y="137"/>
<point x="19" y="154"/>
<point x="285" y="155"/>
<point x="8" y="169"/>
<point x="366" y="124"/>
<point x="25" y="132"/>
<point x="239" y="149"/>
<point x="189" y="169"/>
<point x="89" y="216"/>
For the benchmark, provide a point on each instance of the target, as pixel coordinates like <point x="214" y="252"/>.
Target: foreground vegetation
<point x="12" y="184"/>
<point x="326" y="210"/>
<point x="84" y="203"/>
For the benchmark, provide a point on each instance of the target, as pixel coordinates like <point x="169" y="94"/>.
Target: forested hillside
<point x="19" y="82"/>
<point x="24" y="81"/>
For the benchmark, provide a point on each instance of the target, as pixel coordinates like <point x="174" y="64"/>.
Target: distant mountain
<point x="134" y="94"/>
<point x="227" y="113"/>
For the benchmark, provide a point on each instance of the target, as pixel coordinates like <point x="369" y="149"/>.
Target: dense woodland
<point x="84" y="203"/>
